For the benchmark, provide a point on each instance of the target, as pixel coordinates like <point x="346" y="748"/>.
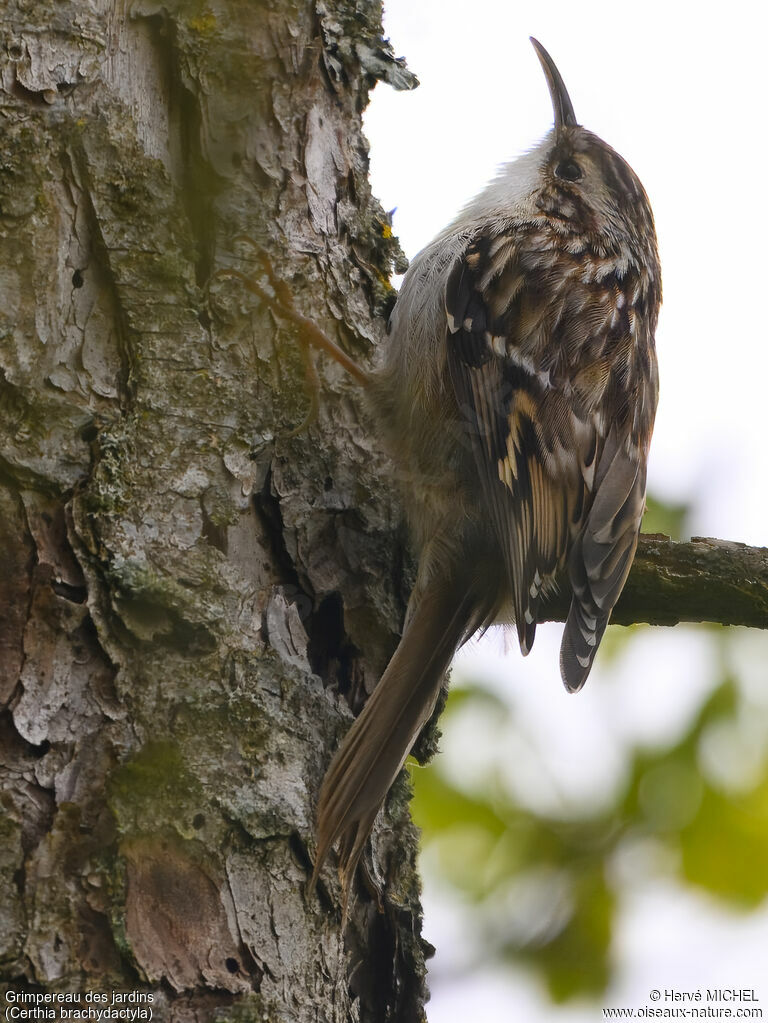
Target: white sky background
<point x="679" y="89"/>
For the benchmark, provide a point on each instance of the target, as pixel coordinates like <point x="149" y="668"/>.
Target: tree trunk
<point x="194" y="585"/>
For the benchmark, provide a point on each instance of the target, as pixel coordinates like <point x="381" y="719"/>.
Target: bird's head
<point x="584" y="185"/>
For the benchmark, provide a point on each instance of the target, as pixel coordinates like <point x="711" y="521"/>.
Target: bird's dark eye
<point x="569" y="170"/>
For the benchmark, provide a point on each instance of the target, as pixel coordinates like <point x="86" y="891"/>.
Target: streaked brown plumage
<point x="518" y="392"/>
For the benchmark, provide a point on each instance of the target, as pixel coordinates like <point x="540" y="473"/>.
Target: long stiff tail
<point x="377" y="744"/>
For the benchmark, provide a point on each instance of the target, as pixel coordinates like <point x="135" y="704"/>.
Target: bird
<point x="517" y="392"/>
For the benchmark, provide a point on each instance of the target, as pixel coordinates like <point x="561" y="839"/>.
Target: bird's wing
<point x="543" y="373"/>
<point x="602" y="555"/>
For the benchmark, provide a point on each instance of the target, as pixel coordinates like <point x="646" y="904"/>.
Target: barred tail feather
<point x="584" y="629"/>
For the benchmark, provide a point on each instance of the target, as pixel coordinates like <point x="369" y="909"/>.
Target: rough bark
<point x="192" y="589"/>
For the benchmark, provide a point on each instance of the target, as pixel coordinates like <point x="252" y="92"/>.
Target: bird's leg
<point x="278" y="297"/>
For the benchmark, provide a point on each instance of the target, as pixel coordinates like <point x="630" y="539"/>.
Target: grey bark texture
<point x="192" y="590"/>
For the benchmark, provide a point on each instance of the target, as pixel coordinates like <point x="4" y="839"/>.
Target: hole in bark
<point x="76" y="594"/>
<point x="232" y="964"/>
<point x="271" y="517"/>
<point x="299" y="850"/>
<point x="331" y="654"/>
<point x="15" y="745"/>
<point x="198" y="821"/>
<point x="371" y="982"/>
<point x="388" y="305"/>
<point x="35" y="99"/>
<point x="15" y="52"/>
<point x="77" y="279"/>
<point x="328" y="483"/>
<point x="326" y="632"/>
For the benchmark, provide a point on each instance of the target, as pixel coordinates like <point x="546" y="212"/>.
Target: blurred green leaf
<point x="437" y="805"/>
<point x="725" y="847"/>
<point x="666" y="517"/>
<point x="575" y="962"/>
<point x="487" y="846"/>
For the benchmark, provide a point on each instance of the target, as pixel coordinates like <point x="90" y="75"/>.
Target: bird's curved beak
<point x="561" y="101"/>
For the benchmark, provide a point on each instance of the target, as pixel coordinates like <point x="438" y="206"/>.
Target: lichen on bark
<point x="195" y="589"/>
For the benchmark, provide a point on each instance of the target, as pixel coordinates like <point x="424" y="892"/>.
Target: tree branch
<point x="703" y="580"/>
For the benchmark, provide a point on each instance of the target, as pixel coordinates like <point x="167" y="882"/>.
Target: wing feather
<point x="545" y="383"/>
<point x="527" y="505"/>
<point x="602" y="555"/>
